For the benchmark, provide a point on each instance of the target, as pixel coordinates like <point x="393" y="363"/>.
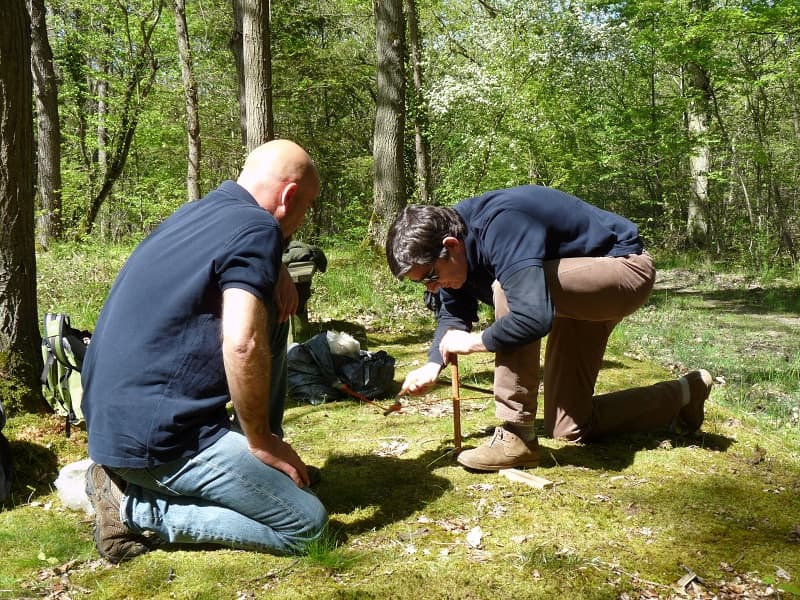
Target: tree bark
<point x="49" y="130"/>
<point x="698" y="117"/>
<point x="791" y="92"/>
<point x="257" y="72"/>
<point x="192" y="110"/>
<point x="20" y="341"/>
<point x="389" y="181"/>
<point x="237" y="48"/>
<point x="102" y="118"/>
<point x="420" y="111"/>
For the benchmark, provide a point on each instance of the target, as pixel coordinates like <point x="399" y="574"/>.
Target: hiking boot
<point x="699" y="384"/>
<point x="504" y="451"/>
<point x="114" y="540"/>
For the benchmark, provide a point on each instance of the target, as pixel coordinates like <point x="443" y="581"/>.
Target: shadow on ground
<point x="614" y="454"/>
<point x="619" y="453"/>
<point x="386" y="489"/>
<point x="35" y="469"/>
<point x="755" y="300"/>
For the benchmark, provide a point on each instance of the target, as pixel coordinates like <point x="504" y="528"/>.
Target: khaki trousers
<point x="590" y="295"/>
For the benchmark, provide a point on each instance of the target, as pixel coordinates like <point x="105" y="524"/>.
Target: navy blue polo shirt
<point x="154" y="381"/>
<point x="510" y="234"/>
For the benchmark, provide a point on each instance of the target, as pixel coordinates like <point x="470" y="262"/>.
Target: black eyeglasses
<point x="431" y="276"/>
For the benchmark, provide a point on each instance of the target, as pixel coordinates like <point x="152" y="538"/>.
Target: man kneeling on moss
<point x="550" y="264"/>
<point x="198" y="317"/>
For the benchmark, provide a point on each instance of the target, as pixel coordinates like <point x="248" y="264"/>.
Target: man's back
<point x="154" y="380"/>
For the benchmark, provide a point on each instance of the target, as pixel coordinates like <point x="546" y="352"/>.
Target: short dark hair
<point x="415" y="237"/>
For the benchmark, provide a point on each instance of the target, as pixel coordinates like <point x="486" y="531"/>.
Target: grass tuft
<point x="328" y="553"/>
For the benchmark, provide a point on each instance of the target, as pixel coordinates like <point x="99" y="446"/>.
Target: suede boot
<point x="505" y="450"/>
<point x="691" y="416"/>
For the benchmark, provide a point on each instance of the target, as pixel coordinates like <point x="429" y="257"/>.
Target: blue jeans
<point x="279" y="386"/>
<point x="222" y="495"/>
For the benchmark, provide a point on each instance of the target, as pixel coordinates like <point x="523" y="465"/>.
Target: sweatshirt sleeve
<point x="456" y="312"/>
<point x="530" y="314"/>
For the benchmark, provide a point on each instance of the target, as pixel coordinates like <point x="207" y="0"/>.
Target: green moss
<point x="15" y="393"/>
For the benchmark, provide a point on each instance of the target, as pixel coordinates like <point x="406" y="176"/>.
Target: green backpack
<point x="63" y="349"/>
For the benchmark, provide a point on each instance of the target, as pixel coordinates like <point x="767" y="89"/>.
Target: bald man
<point x="197" y="318"/>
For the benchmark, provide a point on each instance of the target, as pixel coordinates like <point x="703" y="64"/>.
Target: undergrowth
<point x="659" y="515"/>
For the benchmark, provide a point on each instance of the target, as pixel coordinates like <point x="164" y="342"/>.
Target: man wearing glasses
<point x="551" y="265"/>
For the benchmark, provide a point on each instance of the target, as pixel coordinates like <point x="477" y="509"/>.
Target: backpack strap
<point x="48" y="363"/>
<point x="56" y="326"/>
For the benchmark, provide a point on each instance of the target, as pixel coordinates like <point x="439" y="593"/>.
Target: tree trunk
<point x="793" y="102"/>
<point x="49" y="130"/>
<point x="236" y="46"/>
<point x="389" y="183"/>
<point x="698" y="117"/>
<point x="102" y="117"/>
<point x="784" y="228"/>
<point x="20" y="341"/>
<point x="420" y="111"/>
<point x="257" y="72"/>
<point x="652" y="174"/>
<point x="192" y="111"/>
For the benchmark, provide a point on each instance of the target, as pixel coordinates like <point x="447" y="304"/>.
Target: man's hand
<point x="285" y="296"/>
<point x="278" y="454"/>
<point x="456" y="342"/>
<point x="420" y="380"/>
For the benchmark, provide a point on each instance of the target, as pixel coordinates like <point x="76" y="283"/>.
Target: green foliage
<point x="327" y="552"/>
<point x="105" y="55"/>
<point x="589" y="96"/>
<point x="592" y="97"/>
<point x="324" y="70"/>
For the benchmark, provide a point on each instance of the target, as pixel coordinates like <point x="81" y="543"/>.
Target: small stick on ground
<point x="342" y="387"/>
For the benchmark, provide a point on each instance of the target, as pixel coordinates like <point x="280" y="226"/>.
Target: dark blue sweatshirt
<point x="510" y="234"/>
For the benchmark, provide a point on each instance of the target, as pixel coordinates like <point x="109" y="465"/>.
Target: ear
<point x="452" y="244"/>
<point x="287" y="195"/>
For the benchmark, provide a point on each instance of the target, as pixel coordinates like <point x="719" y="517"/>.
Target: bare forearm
<point x="246" y="356"/>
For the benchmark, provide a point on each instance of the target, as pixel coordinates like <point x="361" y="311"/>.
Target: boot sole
<point x="489" y="468"/>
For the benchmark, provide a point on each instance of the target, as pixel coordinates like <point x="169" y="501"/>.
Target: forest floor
<point x="714" y="515"/>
